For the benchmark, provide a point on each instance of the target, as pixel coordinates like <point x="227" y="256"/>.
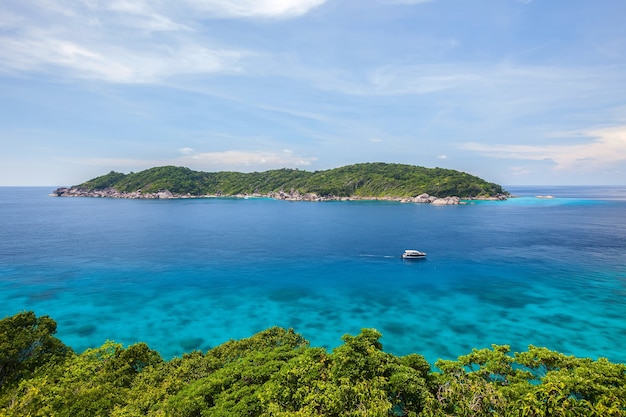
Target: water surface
<point x="191" y="274"/>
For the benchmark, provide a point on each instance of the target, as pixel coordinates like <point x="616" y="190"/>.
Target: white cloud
<point x="125" y="41"/>
<point x="442" y="157"/>
<point x="417" y="79"/>
<point x="236" y="159"/>
<point x="233" y="160"/>
<point x="513" y="83"/>
<point x="112" y="63"/>
<point x="128" y="41"/>
<point x="256" y="8"/>
<point x="38" y="53"/>
<point x="407" y="1"/>
<point x="607" y="148"/>
<point x="319" y="117"/>
<point x="137" y="13"/>
<point x="403" y="80"/>
<point x="186" y="151"/>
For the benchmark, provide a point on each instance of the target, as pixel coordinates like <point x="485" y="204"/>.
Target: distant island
<point x="365" y="181"/>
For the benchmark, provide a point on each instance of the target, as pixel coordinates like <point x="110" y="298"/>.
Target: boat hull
<point x="413" y="254"/>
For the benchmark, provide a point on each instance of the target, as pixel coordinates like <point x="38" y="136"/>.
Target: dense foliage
<point x="276" y="373"/>
<point x="27" y="342"/>
<point x="363" y="180"/>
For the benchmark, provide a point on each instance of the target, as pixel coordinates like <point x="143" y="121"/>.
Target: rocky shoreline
<point x="292" y="195"/>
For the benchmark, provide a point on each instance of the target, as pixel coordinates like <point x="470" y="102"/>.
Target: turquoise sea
<point x="193" y="273"/>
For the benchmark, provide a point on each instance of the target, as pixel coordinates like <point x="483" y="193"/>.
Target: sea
<point x="190" y="274"/>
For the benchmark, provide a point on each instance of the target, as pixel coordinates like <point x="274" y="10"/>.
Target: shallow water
<point x="191" y="274"/>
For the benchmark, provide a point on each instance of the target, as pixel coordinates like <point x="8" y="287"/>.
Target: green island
<point x="359" y="181"/>
<point x="276" y="373"/>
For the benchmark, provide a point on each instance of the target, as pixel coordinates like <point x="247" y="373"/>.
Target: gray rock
<point x="423" y="198"/>
<point x="446" y="201"/>
<point x="164" y="194"/>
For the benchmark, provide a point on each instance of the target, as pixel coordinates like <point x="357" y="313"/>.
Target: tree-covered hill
<point x="359" y="180"/>
<point x="275" y="373"/>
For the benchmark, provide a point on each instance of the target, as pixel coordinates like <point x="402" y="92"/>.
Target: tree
<point x="275" y="373"/>
<point x="363" y="180"/>
<point x="538" y="382"/>
<point x="27" y="342"/>
<point x="93" y="383"/>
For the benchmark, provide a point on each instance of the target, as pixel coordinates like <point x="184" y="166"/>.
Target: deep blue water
<point x="191" y="274"/>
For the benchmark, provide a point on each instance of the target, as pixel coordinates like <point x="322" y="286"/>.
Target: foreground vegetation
<point x="360" y="180"/>
<point x="276" y="373"/>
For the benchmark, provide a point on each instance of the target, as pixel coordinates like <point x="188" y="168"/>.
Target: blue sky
<point x="514" y="91"/>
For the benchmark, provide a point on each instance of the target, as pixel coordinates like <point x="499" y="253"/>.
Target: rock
<point x="446" y="201"/>
<point x="164" y="194"/>
<point x="292" y="195"/>
<point x="423" y="198"/>
<point x="60" y="192"/>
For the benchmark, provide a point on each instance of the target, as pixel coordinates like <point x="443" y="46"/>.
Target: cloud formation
<point x="253" y="160"/>
<point x="608" y="147"/>
<point x="277" y="9"/>
<point x="232" y="160"/>
<point x="113" y="63"/>
<point x="344" y="81"/>
<point x="407" y="1"/>
<point x="124" y="41"/>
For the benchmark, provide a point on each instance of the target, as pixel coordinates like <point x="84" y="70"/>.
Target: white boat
<point x="413" y="254"/>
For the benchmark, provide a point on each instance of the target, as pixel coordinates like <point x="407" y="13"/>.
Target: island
<point x="364" y="181"/>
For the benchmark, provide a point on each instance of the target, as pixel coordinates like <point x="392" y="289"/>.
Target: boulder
<point x="423" y="198"/>
<point x="446" y="201"/>
<point x="60" y="192"/>
<point x="164" y="194"/>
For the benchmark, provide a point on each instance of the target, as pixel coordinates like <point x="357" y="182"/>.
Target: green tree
<point x="27" y="342"/>
<point x="538" y="382"/>
<point x="90" y="384"/>
<point x="240" y="369"/>
<point x="275" y="373"/>
<point x="362" y="180"/>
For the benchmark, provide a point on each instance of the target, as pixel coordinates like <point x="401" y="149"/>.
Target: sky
<point x="518" y="92"/>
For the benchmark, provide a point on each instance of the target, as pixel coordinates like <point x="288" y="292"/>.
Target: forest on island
<point x="360" y="180"/>
<point x="277" y="373"/>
